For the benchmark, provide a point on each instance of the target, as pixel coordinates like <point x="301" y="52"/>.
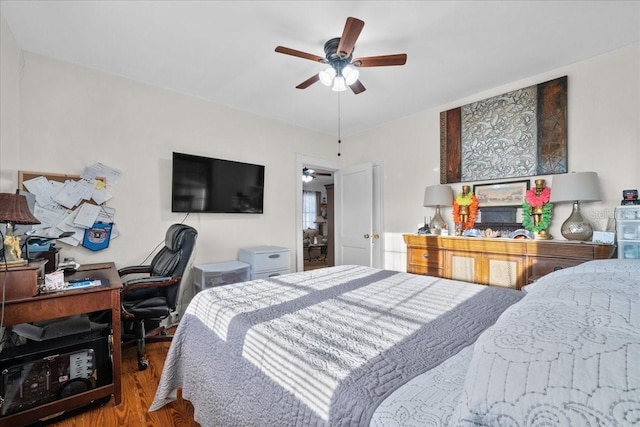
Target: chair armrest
<point x="134" y="269"/>
<point x="148" y="282"/>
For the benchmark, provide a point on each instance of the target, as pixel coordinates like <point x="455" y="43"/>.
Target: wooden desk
<point x="68" y="303"/>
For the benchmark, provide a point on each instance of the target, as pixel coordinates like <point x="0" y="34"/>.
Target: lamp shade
<point x="438" y="195"/>
<point x="15" y="210"/>
<point x="320" y="219"/>
<point x="582" y="186"/>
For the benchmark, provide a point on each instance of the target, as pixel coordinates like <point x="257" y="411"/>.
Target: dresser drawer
<point x="541" y="266"/>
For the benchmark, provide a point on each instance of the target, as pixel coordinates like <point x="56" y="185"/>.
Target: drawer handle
<point x="557" y="267"/>
<point x="274" y="256"/>
<point x="425" y="255"/>
<point x="274" y="274"/>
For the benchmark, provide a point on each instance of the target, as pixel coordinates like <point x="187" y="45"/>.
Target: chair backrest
<point x="173" y="258"/>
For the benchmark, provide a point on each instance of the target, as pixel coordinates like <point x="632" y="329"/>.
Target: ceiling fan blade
<point x="300" y="54"/>
<point x="380" y="61"/>
<point x="352" y="29"/>
<point x="311" y="80"/>
<point x="357" y="87"/>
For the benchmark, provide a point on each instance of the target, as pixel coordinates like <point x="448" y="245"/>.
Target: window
<point x="309" y="208"/>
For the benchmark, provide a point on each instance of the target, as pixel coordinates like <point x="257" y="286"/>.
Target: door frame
<point x="303" y="161"/>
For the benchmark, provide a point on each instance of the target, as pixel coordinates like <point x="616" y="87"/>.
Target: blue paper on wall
<point x="97" y="237"/>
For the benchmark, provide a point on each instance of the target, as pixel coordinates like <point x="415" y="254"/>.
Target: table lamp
<point x="438" y="195"/>
<point x="576" y="187"/>
<point x="321" y="221"/>
<point x="14" y="210"/>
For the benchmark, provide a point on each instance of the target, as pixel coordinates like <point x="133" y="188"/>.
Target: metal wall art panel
<point x="516" y="134"/>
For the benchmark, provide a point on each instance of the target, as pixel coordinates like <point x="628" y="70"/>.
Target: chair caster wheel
<point x="143" y="364"/>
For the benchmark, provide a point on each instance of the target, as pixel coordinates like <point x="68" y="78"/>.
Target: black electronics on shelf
<point x="40" y="372"/>
<point x="630" y="197"/>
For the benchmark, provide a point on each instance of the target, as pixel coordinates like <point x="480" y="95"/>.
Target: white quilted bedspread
<point x="567" y="355"/>
<point x="320" y="348"/>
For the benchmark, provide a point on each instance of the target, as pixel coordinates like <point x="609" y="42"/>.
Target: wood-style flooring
<point x="314" y="264"/>
<point x="138" y="388"/>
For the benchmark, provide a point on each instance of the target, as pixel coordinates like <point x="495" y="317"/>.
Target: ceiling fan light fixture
<point x="339" y="84"/>
<point x="307" y="175"/>
<point x="350" y="75"/>
<point x="326" y="76"/>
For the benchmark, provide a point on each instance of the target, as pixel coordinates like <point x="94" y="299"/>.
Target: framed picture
<point x="501" y="194"/>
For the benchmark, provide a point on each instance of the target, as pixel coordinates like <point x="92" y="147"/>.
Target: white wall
<point x="603" y="136"/>
<point x="9" y="106"/>
<point x="71" y="117"/>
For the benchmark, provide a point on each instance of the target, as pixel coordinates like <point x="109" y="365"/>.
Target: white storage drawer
<point x="221" y="273"/>
<point x="629" y="250"/>
<point x="271" y="274"/>
<point x="271" y="261"/>
<point x="266" y="261"/>
<point x="628" y="231"/>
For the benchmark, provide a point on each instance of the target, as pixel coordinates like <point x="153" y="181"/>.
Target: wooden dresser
<point x="510" y="263"/>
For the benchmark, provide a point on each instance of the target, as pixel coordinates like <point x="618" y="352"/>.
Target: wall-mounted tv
<point x="205" y="184"/>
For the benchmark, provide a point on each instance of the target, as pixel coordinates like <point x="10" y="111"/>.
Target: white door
<point x="354" y="215"/>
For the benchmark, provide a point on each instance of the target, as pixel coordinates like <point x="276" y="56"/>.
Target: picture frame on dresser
<point x="510" y="193"/>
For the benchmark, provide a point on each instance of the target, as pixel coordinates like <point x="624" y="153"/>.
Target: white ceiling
<point x="223" y="51"/>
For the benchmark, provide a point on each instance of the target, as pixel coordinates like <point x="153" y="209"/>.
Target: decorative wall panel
<point x="516" y="134"/>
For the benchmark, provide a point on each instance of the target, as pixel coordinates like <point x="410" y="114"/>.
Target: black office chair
<point x="149" y="299"/>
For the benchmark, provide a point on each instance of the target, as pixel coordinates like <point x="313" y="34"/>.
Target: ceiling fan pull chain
<point x="339" y="140"/>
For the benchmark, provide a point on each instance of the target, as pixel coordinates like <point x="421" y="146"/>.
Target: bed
<point x="357" y="346"/>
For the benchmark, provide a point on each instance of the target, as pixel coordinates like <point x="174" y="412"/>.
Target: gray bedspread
<point x="319" y="348"/>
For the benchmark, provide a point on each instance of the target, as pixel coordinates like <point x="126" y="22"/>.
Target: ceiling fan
<point x="309" y="174"/>
<point x="339" y="55"/>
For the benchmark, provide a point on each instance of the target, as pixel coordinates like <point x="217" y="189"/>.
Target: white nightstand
<point x="266" y="261"/>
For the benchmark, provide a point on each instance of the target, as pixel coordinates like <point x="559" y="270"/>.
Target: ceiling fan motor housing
<point x="334" y="58"/>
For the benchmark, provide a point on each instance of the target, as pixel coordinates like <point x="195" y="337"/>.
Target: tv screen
<point x="204" y="184"/>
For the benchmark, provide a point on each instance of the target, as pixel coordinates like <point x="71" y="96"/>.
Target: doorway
<point x="376" y="233"/>
<point x="317" y="218"/>
<point x="323" y="166"/>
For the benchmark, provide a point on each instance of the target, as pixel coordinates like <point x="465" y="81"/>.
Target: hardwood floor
<point x="138" y="389"/>
<point x="314" y="264"/>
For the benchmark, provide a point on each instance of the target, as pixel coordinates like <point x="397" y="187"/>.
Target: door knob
<point x="376" y="236"/>
<point x="366" y="236"/>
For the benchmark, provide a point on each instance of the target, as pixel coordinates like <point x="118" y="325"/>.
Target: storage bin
<point x="629" y="250"/>
<point x="222" y="273"/>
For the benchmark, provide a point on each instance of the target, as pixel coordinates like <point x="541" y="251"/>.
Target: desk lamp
<point x="14" y="210"/>
<point x="576" y="187"/>
<point x="438" y="195"/>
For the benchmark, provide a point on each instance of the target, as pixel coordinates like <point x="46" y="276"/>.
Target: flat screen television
<point x="205" y="184"/>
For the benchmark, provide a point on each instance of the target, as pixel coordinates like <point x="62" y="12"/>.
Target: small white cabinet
<point x="628" y="231"/>
<point x="265" y="261"/>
